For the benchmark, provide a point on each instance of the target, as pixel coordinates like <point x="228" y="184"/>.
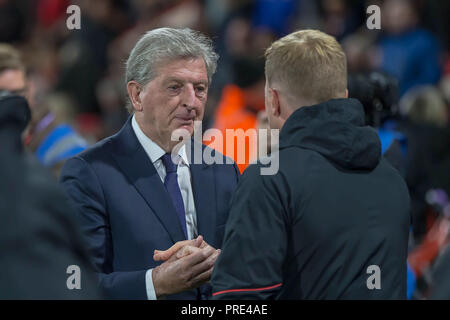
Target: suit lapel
<point x="136" y="165"/>
<point x="203" y="186"/>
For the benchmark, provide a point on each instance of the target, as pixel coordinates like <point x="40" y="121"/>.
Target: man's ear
<point x="134" y="92"/>
<point x="346" y="93"/>
<point x="275" y="102"/>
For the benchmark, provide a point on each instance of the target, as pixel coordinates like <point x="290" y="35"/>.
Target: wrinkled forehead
<point x="192" y="69"/>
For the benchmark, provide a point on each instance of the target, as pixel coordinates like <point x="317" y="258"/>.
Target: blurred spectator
<point x="425" y="105"/>
<point x="378" y="93"/>
<point x="12" y="71"/>
<point x="341" y="17"/>
<point x="85" y="51"/>
<point x="38" y="237"/>
<point x="274" y="15"/>
<point x="407" y="51"/>
<point x="50" y="137"/>
<point x="358" y="48"/>
<point x="239" y="107"/>
<point x="426" y="112"/>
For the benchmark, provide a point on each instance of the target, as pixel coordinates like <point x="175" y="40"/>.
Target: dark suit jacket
<point x="126" y="212"/>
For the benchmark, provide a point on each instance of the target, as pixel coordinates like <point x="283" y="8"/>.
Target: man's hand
<point x="159" y="255"/>
<point x="188" y="267"/>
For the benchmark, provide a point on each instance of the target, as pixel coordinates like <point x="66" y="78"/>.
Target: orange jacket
<point x="232" y="113"/>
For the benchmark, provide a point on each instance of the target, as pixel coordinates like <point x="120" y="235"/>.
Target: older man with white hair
<point x="135" y="193"/>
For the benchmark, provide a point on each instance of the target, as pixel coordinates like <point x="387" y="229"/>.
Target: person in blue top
<point x="407" y="51"/>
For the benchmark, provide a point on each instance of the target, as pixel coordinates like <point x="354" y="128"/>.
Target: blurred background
<point x="401" y="73"/>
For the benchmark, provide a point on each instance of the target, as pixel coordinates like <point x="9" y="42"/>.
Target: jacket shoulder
<point x="100" y="150"/>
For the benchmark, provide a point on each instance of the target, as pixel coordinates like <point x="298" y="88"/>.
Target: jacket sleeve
<point x="85" y="195"/>
<point x="255" y="243"/>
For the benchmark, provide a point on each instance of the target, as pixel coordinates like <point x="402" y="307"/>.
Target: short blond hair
<point x="307" y="64"/>
<point x="10" y="58"/>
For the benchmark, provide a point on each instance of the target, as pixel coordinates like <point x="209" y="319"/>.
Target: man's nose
<point x="189" y="97"/>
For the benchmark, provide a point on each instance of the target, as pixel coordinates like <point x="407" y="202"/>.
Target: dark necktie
<point x="171" y="184"/>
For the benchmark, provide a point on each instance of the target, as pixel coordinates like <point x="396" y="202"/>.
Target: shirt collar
<point x="153" y="150"/>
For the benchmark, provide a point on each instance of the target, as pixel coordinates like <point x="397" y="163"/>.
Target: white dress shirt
<point x="155" y="152"/>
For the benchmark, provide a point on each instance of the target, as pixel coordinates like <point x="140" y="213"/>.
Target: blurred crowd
<point x="76" y="85"/>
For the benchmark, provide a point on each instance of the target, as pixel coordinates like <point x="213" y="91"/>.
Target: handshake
<point x="187" y="265"/>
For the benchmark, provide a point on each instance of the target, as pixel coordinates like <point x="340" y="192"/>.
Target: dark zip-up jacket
<point x="332" y="223"/>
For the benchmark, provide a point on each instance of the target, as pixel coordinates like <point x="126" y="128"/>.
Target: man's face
<point x="174" y="99"/>
<point x="13" y="81"/>
<point x="398" y="16"/>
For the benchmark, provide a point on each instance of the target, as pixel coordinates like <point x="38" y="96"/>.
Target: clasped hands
<point x="187" y="265"/>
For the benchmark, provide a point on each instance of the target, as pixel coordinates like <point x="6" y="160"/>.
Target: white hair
<point x="163" y="45"/>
